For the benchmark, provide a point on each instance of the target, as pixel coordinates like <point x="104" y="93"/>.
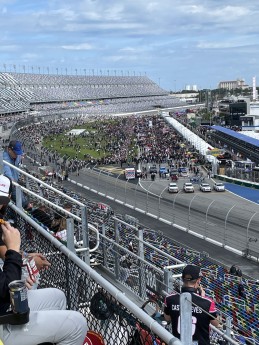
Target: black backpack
<point x="233" y="270"/>
<point x="101" y="306"/>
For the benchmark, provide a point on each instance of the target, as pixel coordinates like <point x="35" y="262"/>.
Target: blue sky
<point x="174" y="42"/>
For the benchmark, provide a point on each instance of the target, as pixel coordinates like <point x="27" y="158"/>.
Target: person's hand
<point x="11" y="237"/>
<point x="29" y="282"/>
<point x="201" y="291"/>
<point x="41" y="262"/>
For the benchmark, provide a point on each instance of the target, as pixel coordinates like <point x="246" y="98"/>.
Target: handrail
<point x="43" y="183"/>
<point x="117" y="294"/>
<point x="79" y="250"/>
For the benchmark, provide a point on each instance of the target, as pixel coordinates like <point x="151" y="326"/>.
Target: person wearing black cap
<point x="204" y="310"/>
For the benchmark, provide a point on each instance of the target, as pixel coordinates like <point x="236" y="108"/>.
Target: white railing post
<point x="186" y="318"/>
<point x="206" y="221"/>
<point x="225" y="228"/>
<point x="159" y="198"/>
<point x="189" y="212"/>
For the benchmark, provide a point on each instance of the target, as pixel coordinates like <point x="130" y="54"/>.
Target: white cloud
<point x="216" y="45"/>
<point x="81" y="46"/>
<point x="163" y="36"/>
<point x="8" y="48"/>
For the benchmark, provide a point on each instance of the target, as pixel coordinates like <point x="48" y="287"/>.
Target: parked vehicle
<point x="188" y="187"/>
<point x="129" y="173"/>
<point x="153" y="169"/>
<point x="173" y="174"/>
<point x="205" y="187"/>
<point x="174" y="177"/>
<point x="219" y="187"/>
<point x="163" y="172"/>
<point x="138" y="173"/>
<point x="173" y="188"/>
<point x="183" y="172"/>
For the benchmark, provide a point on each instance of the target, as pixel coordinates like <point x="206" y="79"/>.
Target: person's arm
<point x="167" y="316"/>
<point x="3" y="250"/>
<point x="215" y="322"/>
<point x="41" y="262"/>
<point x="213" y="311"/>
<point x="12" y="268"/>
<point x="7" y="171"/>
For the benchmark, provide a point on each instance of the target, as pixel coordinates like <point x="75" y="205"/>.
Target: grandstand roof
<point x="237" y="135"/>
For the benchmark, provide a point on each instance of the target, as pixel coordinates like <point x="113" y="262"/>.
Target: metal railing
<point x="145" y="274"/>
<point x="80" y="283"/>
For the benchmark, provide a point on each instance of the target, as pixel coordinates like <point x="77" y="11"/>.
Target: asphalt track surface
<point x="224" y="256"/>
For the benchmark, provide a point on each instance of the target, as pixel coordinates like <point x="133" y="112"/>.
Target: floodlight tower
<point x="254" y="89"/>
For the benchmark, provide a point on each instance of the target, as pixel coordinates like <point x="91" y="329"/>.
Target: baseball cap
<point x="191" y="272"/>
<point x="16" y="146"/>
<point x="5" y="189"/>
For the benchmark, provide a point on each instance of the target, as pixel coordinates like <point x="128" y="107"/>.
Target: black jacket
<point x="42" y="217"/>
<point x="12" y="270"/>
<point x="203" y="311"/>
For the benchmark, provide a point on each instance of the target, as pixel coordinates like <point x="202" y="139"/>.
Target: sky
<point x="173" y="42"/>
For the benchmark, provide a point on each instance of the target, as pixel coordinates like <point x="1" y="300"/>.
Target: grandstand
<point x="19" y="91"/>
<point x="242" y="143"/>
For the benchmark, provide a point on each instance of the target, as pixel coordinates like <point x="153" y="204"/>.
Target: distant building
<point x="233" y="84"/>
<point x="250" y="122"/>
<point x="190" y="97"/>
<point x="191" y="87"/>
<point x="231" y="110"/>
<point x="255" y="93"/>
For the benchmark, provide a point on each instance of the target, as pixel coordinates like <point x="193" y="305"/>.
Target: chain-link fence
<point x="107" y="310"/>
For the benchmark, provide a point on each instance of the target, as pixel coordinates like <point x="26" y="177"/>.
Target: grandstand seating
<point x="19" y="90"/>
